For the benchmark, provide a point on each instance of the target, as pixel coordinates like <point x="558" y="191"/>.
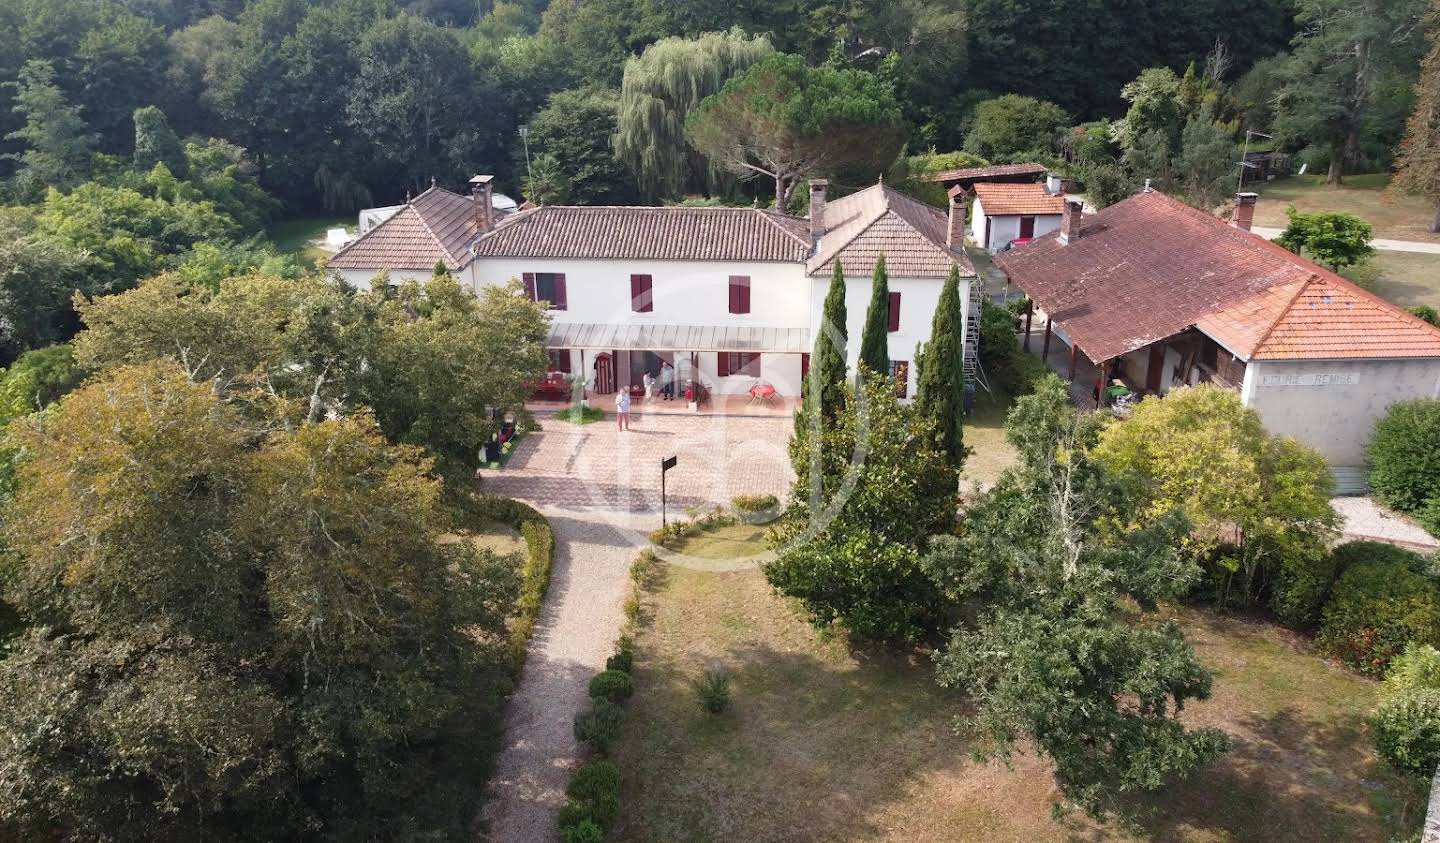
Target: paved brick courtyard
<point x="594" y="466"/>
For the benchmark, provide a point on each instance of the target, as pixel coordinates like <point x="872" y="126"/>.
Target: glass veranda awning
<point x="608" y="337"/>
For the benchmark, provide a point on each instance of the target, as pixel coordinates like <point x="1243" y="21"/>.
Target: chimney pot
<point x="1244" y="210"/>
<point x="481" y="189"/>
<point x="1070" y="220"/>
<point x="1054" y="184"/>
<point x="1147" y="186"/>
<point x="955" y="230"/>
<point x="817" y="207"/>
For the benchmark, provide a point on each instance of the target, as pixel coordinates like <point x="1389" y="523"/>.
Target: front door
<point x="604" y="374"/>
<point x="1027" y="227"/>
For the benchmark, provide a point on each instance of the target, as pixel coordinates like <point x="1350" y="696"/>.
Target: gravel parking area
<point x="600" y="489"/>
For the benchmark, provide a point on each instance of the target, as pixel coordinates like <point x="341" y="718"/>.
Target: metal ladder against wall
<point x="973" y="372"/>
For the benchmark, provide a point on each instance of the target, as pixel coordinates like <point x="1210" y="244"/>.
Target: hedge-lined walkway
<point x="599" y="488"/>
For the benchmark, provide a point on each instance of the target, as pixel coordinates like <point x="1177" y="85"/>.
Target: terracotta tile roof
<point x="1018" y="199"/>
<point x="1151" y="267"/>
<point x="879" y="220"/>
<point x="660" y="233"/>
<point x="435" y="226"/>
<point x="992" y="171"/>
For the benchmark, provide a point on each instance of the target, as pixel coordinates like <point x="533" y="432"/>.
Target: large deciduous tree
<point x="1343" y="51"/>
<point x="940" y="385"/>
<point x="1012" y="127"/>
<point x="657" y="93"/>
<point x="785" y="120"/>
<point x="577" y="127"/>
<point x="1259" y="505"/>
<point x="156" y="143"/>
<point x="1056" y="653"/>
<point x="261" y="636"/>
<point x="1417" y="165"/>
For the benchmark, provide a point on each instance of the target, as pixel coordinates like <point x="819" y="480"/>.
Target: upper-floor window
<point x="546" y="287"/>
<point x="642" y="296"/>
<point x="894" y="313"/>
<point x="739" y="294"/>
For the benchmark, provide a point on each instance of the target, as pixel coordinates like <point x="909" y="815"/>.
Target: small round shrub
<point x="1429" y="516"/>
<point x="624" y="657"/>
<point x="600" y="725"/>
<point x="585" y="831"/>
<point x="1404" y="455"/>
<point x="596" y="788"/>
<point x="613" y="685"/>
<point x="1407" y="730"/>
<point x="713" y="691"/>
<point x="1377" y="608"/>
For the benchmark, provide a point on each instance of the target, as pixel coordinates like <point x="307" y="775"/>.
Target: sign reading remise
<point x="1314" y="379"/>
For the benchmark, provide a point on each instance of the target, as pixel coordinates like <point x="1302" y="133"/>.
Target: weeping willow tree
<point x="659" y="89"/>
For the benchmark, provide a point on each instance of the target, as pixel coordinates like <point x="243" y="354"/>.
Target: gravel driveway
<point x="600" y="490"/>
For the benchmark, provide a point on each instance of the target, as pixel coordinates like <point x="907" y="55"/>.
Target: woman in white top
<point x="649" y="381"/>
<point x="622" y="408"/>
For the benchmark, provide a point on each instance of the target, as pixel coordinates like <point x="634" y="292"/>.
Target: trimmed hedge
<point x="1381" y="604"/>
<point x="1404" y="455"/>
<point x="601" y="725"/>
<point x="534" y="574"/>
<point x="594" y="793"/>
<point x="1303" y="585"/>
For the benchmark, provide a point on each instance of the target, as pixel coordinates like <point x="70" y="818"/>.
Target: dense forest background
<point x="340" y="104"/>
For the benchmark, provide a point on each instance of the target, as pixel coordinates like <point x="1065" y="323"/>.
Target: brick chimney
<point x="955" y="229"/>
<point x="1070" y="219"/>
<point x="480" y="193"/>
<point x="1244" y="210"/>
<point x="817" y="207"/>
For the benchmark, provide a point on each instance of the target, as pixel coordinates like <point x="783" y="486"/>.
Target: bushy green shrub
<point x="613" y="685"/>
<point x="585" y="831"/>
<point x="712" y="689"/>
<point x="1404" y="455"/>
<point x="1302" y="585"/>
<point x="534" y="574"/>
<point x="600" y="725"/>
<point x="1377" y="608"/>
<point x="1417" y="667"/>
<point x="1407" y="730"/>
<point x="757" y="509"/>
<point x="1020" y="375"/>
<point x="624" y="657"/>
<point x="1429" y="516"/>
<point x="595" y="788"/>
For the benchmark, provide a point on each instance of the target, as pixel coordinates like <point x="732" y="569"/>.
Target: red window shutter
<point x="722" y="364"/>
<point x="565" y="360"/>
<point x="642" y="299"/>
<point x="739" y="294"/>
<point x="894" y="312"/>
<point x="530" y="286"/>
<point x="804" y="366"/>
<point x="559" y="303"/>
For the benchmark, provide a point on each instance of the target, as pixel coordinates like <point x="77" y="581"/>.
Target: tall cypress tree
<point x="940" y="390"/>
<point x="874" y="340"/>
<point x="827" y="364"/>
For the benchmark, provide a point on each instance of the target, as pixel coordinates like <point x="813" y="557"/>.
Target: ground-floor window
<point x="560" y="360"/>
<point x="900" y="371"/>
<point x="745" y="363"/>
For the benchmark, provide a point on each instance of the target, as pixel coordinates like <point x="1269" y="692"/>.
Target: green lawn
<point x="294" y="236"/>
<point x="1409" y="278"/>
<point x="985" y="436"/>
<point x="1393" y="217"/>
<point x="826" y="742"/>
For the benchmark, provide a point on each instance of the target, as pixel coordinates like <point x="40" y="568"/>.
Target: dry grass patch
<point x="1408" y="278"/>
<point x="985" y="436"/>
<point x="1393" y="217"/>
<point x="495" y="537"/>
<point x="823" y="742"/>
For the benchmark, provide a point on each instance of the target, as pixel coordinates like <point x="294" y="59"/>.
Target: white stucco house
<point x="729" y="296"/>
<point x="1159" y="294"/>
<point x="1005" y="214"/>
